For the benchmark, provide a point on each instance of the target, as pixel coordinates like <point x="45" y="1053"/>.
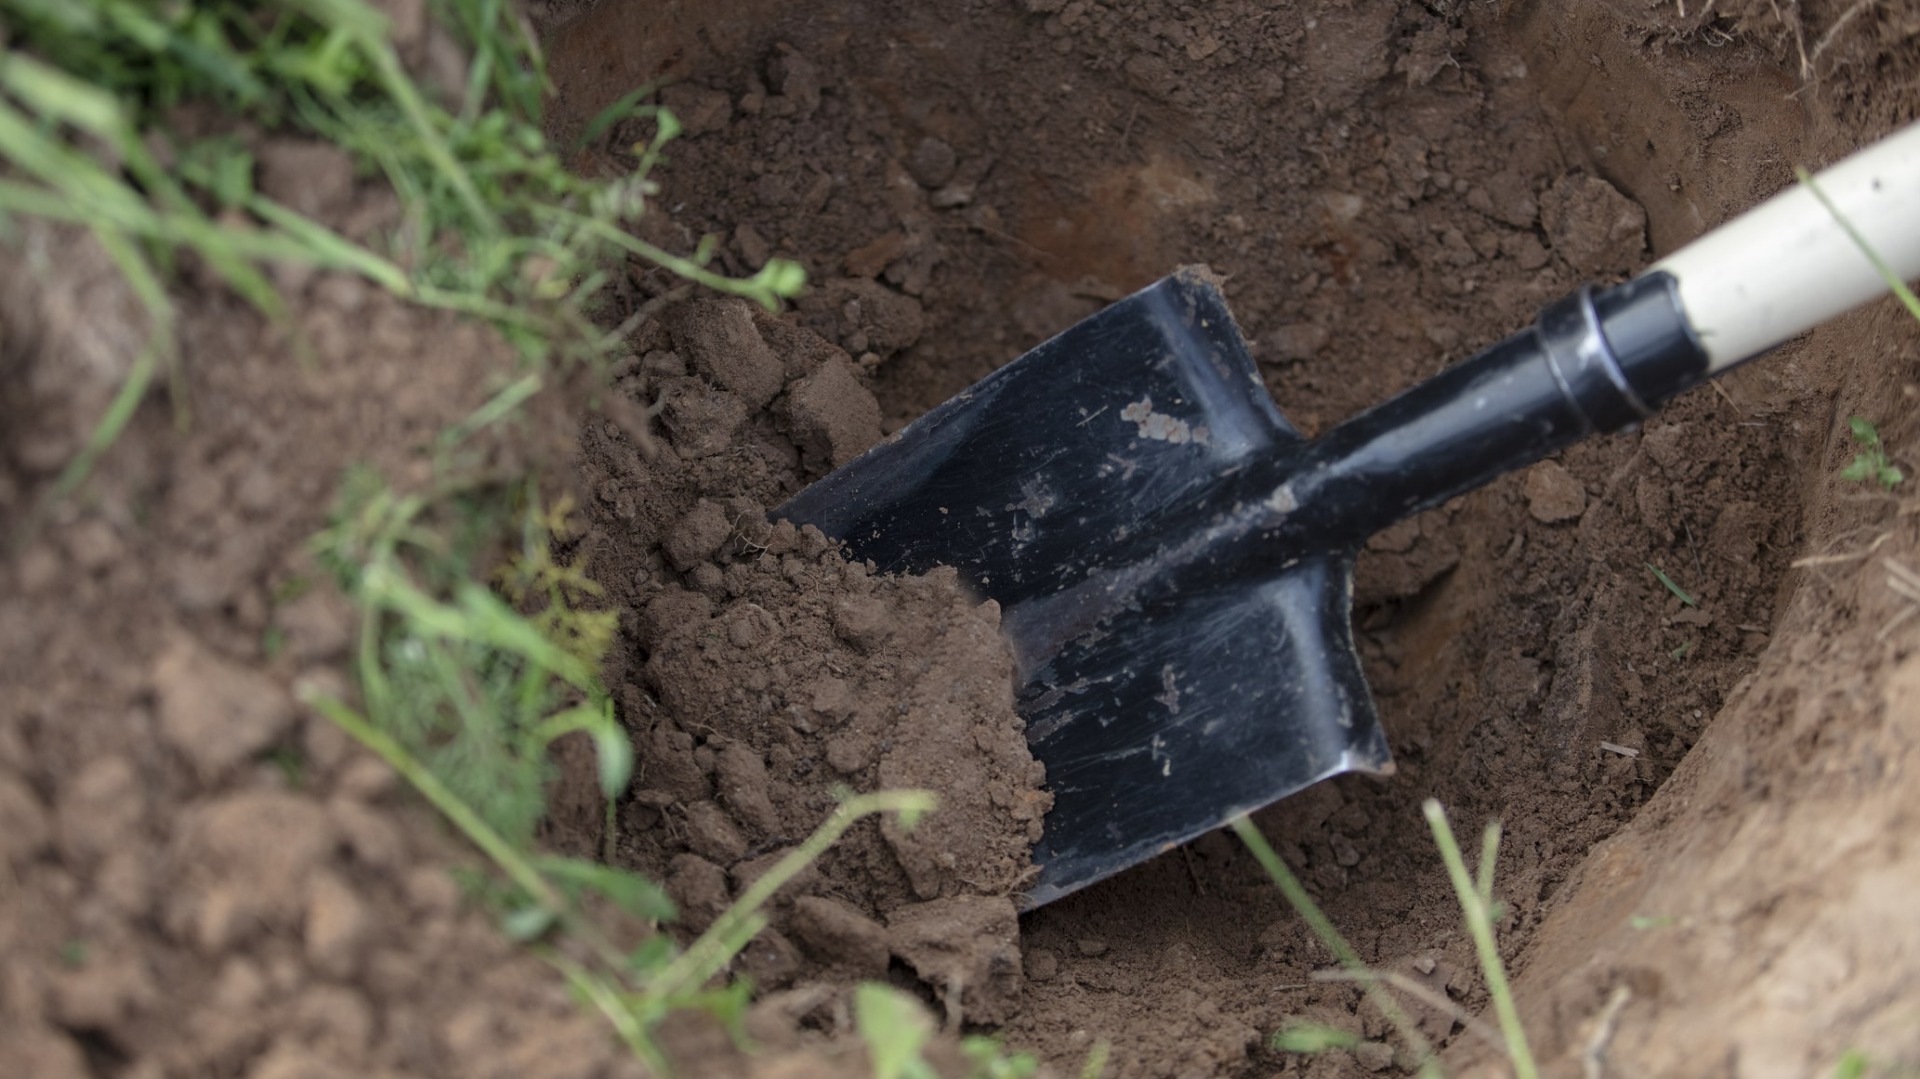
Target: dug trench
<point x="1383" y="188"/>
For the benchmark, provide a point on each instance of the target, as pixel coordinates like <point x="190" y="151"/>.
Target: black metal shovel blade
<point x="1067" y="486"/>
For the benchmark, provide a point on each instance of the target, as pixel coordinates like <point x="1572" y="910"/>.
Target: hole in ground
<point x="1385" y="190"/>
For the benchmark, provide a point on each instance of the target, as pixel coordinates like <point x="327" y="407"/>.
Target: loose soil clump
<point x="765" y="674"/>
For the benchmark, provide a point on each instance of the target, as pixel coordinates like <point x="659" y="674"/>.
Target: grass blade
<point x="1899" y="287"/>
<point x="1323" y="928"/>
<point x="1671" y="587"/>
<point x="728" y="934"/>
<point x="1480" y="927"/>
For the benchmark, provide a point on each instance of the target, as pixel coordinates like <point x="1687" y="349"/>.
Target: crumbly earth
<point x="1707" y="865"/>
<point x="762" y="674"/>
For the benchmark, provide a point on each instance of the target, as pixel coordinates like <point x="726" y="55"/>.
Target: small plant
<point x="73" y="953"/>
<point x="494" y="225"/>
<point x="1853" y="1064"/>
<point x="1870" y="465"/>
<point x="896" y="1029"/>
<point x="1481" y="911"/>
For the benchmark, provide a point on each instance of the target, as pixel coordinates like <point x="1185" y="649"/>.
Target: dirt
<point x="1384" y="189"/>
<point x="1706" y="866"/>
<point x="765" y="673"/>
<point x="200" y="875"/>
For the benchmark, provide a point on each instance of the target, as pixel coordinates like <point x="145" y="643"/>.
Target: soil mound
<point x="764" y="674"/>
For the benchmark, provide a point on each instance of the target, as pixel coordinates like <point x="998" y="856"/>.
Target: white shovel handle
<point x="1788" y="265"/>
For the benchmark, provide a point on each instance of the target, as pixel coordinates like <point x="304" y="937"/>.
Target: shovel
<point x="1174" y="561"/>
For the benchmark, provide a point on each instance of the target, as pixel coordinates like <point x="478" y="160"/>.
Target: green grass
<point x="1480" y="910"/>
<point x="457" y="673"/>
<point x="1476" y="902"/>
<point x="1678" y="592"/>
<point x="494" y="225"/>
<point x="469" y="663"/>
<point x="1870" y="465"/>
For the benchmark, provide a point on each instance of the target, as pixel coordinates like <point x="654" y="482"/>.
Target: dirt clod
<point x="699" y="889"/>
<point x="214" y="713"/>
<point x="336" y="926"/>
<point x="837" y="934"/>
<point x="1593" y="226"/>
<point x="831" y="422"/>
<point x="718" y="339"/>
<point x="697" y="536"/>
<point x="965" y="947"/>
<point x="932" y="163"/>
<point x="307" y="176"/>
<point x="1553" y="494"/>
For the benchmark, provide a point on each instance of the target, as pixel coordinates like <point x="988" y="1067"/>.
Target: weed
<point x="1671" y="587"/>
<point x="459" y="677"/>
<point x="1870" y="465"/>
<point x="494" y="224"/>
<point x="1481" y="911"/>
<point x="1476" y="901"/>
<point x="896" y="1029"/>
<point x="988" y="1059"/>
<point x="292" y="765"/>
<point x="1316" y="919"/>
<point x="1096" y="1062"/>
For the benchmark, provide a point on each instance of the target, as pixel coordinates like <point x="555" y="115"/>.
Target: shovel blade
<point x="1075" y="458"/>
<point x="1193" y="712"/>
<point x="1058" y="486"/>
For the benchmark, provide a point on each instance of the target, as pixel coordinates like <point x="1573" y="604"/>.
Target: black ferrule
<point x="1651" y="341"/>
<point x="1583" y="365"/>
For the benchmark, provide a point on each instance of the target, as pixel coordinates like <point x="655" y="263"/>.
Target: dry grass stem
<point x="1593" y="1061"/>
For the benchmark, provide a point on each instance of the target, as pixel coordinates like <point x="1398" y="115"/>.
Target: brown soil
<point x="1384" y="187"/>
<point x="766" y="673"/>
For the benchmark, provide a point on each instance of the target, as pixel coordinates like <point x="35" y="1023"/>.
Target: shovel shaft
<point x="1592" y="363"/>
<point x="1599" y="361"/>
<point x="1800" y="258"/>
